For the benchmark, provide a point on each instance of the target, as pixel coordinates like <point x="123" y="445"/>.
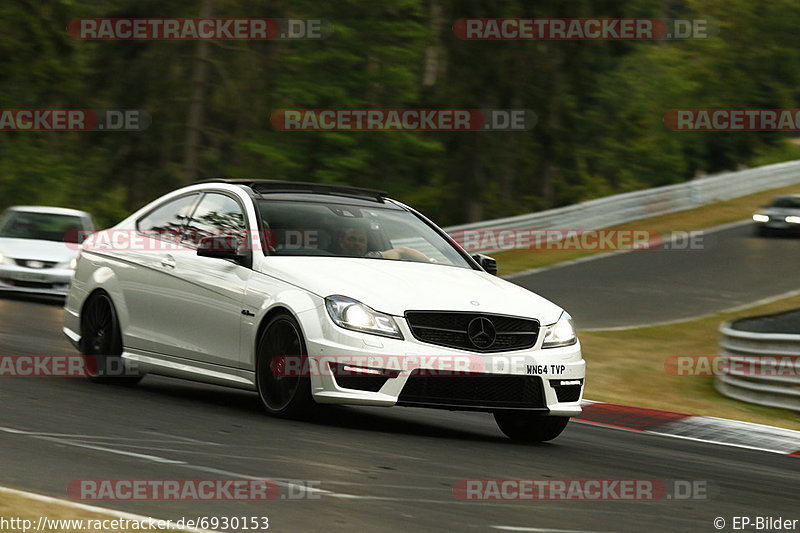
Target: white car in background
<point x="39" y="246"/>
<point x="235" y="282"/>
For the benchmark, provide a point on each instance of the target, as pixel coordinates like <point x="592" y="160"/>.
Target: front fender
<point x="264" y="296"/>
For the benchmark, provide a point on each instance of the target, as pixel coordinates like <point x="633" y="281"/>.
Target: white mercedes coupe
<point x="319" y="294"/>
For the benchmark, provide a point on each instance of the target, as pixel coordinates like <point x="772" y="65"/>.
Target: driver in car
<point x="353" y="242"/>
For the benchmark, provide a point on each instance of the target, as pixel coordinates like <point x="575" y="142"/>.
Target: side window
<point x="166" y="221"/>
<point x="217" y="214"/>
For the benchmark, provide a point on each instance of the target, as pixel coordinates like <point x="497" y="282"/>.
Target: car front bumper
<point x="50" y="281"/>
<point x="414" y="373"/>
<point x="777" y="223"/>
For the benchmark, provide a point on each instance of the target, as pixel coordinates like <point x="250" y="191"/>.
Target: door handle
<point x="168" y="262"/>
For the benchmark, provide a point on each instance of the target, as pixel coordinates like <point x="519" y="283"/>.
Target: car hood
<point x="395" y="287"/>
<point x="38" y="250"/>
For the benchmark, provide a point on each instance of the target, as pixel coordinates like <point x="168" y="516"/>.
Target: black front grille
<point x="451" y="329"/>
<point x="351" y="378"/>
<point x="473" y="390"/>
<point x="365" y="383"/>
<point x="28" y="284"/>
<point x="567" y="393"/>
<point x="28" y="263"/>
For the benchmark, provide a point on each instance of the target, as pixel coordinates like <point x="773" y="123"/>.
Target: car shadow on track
<point x="395" y="420"/>
<point x="398" y="420"/>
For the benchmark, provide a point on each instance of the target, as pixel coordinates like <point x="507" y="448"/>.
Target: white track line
<point x="67" y="442"/>
<point x="177" y="437"/>
<point x="90" y="508"/>
<point x="717" y="442"/>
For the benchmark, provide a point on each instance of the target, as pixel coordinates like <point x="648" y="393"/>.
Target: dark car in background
<point x="781" y="216"/>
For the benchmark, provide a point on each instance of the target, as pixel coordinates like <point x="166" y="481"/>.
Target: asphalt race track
<point x="734" y="267"/>
<point x="376" y="470"/>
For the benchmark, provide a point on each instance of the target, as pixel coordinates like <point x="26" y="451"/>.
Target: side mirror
<point x="221" y="247"/>
<point x="487" y="263"/>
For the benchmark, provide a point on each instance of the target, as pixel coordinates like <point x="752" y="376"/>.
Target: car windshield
<point x="787" y="201"/>
<point x="40" y="226"/>
<point x="343" y="230"/>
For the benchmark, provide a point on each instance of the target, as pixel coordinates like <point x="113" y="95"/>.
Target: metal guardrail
<point x="760" y="368"/>
<point x="627" y="207"/>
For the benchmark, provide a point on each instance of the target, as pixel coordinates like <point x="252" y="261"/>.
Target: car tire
<point x="524" y="426"/>
<point x="101" y="343"/>
<point x="283" y="396"/>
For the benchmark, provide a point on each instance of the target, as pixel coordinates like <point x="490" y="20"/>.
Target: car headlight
<point x="73" y="263"/>
<point x="2" y="258"/>
<point x="562" y="333"/>
<point x="352" y="314"/>
<point x="760" y="218"/>
<point x="793" y="220"/>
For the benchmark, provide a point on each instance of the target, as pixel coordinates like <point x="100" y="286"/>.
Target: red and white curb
<point x="692" y="427"/>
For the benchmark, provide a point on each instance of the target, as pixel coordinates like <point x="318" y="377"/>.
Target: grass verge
<point x="627" y="367"/>
<point x="702" y="217"/>
<point x="16" y="506"/>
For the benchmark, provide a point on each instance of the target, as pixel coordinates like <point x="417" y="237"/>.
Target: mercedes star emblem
<point x="481" y="332"/>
